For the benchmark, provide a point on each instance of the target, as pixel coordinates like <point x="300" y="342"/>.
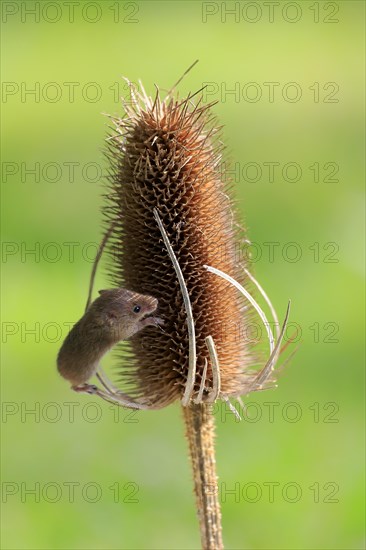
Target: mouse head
<point x="121" y="311"/>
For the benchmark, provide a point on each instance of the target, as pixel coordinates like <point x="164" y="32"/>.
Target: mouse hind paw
<point x="85" y="388"/>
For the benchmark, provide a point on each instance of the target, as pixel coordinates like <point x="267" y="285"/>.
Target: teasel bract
<point x="165" y="177"/>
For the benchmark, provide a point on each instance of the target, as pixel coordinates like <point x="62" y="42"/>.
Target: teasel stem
<point x="200" y="432"/>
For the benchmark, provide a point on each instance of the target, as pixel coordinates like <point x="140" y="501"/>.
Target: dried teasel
<point x="165" y="155"/>
<point x="175" y="236"/>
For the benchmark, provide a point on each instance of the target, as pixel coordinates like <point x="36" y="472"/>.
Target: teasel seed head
<point x="167" y="155"/>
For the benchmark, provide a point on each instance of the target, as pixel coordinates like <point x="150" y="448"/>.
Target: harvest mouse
<point x="115" y="315"/>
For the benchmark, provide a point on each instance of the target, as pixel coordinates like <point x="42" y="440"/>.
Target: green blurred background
<point x="129" y="475"/>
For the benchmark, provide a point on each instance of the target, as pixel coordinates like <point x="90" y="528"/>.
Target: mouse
<point x="116" y="315"/>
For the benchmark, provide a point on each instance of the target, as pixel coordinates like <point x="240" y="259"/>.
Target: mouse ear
<point x="101" y="291"/>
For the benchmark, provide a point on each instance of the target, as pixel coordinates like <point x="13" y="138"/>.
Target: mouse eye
<point x="136" y="309"/>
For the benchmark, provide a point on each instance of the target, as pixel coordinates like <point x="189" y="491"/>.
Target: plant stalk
<point x="200" y="432"/>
